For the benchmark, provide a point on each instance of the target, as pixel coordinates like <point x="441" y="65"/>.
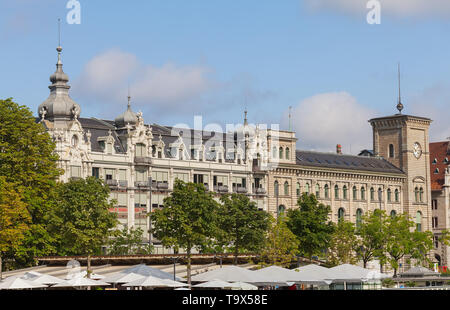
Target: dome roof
<point x="129" y="117"/>
<point x="59" y="105"/>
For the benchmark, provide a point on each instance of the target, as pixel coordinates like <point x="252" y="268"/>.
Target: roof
<point x="418" y="272"/>
<point x="439" y="151"/>
<point x="396" y="116"/>
<point x="347" y="162"/>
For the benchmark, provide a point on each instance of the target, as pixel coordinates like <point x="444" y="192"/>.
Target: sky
<point x="216" y="58"/>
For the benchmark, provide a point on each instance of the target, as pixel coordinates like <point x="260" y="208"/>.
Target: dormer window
<point x="436" y="171"/>
<point x="435" y="161"/>
<point x="446" y="160"/>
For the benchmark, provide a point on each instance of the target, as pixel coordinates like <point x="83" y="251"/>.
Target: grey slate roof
<point x="347" y="162"/>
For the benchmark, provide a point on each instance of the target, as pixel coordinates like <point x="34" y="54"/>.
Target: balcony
<point x="123" y="183"/>
<point x="113" y="183"/>
<point x="142" y="161"/>
<point x="141" y="184"/>
<point x="240" y="190"/>
<point x="162" y="185"/>
<point x="221" y="189"/>
<point x="260" y="191"/>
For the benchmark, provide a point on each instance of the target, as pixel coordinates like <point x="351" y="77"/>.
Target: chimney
<point x="339" y="149"/>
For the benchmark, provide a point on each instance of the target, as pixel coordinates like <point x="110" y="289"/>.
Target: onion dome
<point x="59" y="105"/>
<point x="129" y="117"/>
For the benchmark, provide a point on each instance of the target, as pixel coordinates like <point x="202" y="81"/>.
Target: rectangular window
<point x="140" y="150"/>
<point x="201" y="179"/>
<point x="109" y="147"/>
<point x="157" y="201"/>
<point x="158" y="176"/>
<point x="220" y="180"/>
<point x="434" y="204"/>
<point x="96" y="172"/>
<point x="75" y="171"/>
<point x="181" y="176"/>
<point x="122" y="175"/>
<point x="122" y="199"/>
<point x="141" y="176"/>
<point x="109" y="174"/>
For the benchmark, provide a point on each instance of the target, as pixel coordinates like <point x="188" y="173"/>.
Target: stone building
<point x="140" y="162"/>
<point x="440" y="195"/>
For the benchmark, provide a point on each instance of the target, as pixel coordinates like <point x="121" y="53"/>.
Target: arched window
<point x="288" y="154"/>
<point x="274" y="152"/>
<point x="421" y="194"/>
<point x="307" y="188"/>
<point x="344" y="192"/>
<point x="358" y="218"/>
<point x="281" y="153"/>
<point x="391" y="151"/>
<point x="281" y="210"/>
<point x="397" y="198"/>
<point x="140" y="150"/>
<point x="389" y="195"/>
<point x="393" y="213"/>
<point x="341" y="214"/>
<point x="298" y="189"/>
<point x="317" y="190"/>
<point x="286" y="188"/>
<point x="380" y="194"/>
<point x="276" y="188"/>
<point x="355" y="193"/>
<point x="372" y="194"/>
<point x="336" y="192"/>
<point x="419" y="221"/>
<point x="363" y="193"/>
<point x="326" y="191"/>
<point x="74" y="140"/>
<point x="416" y="194"/>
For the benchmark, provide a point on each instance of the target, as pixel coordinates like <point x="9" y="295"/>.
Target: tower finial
<point x="290" y="117"/>
<point x="399" y="105"/>
<point x="129" y="96"/>
<point x="245" y="118"/>
<point x="59" y="48"/>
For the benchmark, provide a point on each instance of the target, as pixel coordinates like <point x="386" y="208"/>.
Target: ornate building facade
<point x="140" y="162"/>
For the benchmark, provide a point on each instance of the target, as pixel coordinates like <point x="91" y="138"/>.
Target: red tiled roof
<point x="439" y="151"/>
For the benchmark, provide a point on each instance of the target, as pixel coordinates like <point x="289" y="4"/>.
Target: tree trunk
<point x="365" y="263"/>
<point x="1" y="268"/>
<point x="189" y="265"/>
<point x="89" y="266"/>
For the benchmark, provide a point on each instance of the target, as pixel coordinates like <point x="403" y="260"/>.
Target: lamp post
<point x="380" y="197"/>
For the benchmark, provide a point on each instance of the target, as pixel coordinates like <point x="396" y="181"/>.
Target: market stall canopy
<point x="81" y="282"/>
<point x="418" y="272"/>
<point x="236" y="274"/>
<point x="243" y="286"/>
<point x="148" y="281"/>
<point x="214" y="284"/>
<point x="118" y="278"/>
<point x="40" y="278"/>
<point x="16" y="283"/>
<point x="145" y="270"/>
<point x="351" y="273"/>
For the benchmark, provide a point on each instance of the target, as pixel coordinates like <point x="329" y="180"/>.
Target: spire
<point x="129" y="117"/>
<point x="59" y="105"/>
<point x="245" y="117"/>
<point x="290" y="118"/>
<point x="399" y="105"/>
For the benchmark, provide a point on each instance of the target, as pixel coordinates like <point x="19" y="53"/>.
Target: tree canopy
<point x="342" y="245"/>
<point x="28" y="161"/>
<point x="311" y="225"/>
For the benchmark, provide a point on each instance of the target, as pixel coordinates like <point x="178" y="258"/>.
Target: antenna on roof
<point x="129" y="96"/>
<point x="59" y="31"/>
<point x="399" y="105"/>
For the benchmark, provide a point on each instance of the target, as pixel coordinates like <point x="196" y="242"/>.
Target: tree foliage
<point x="242" y="227"/>
<point x="28" y="161"/>
<point x="281" y="245"/>
<point x="311" y="225"/>
<point x="187" y="220"/>
<point x="342" y="244"/>
<point x="128" y="242"/>
<point x="81" y="220"/>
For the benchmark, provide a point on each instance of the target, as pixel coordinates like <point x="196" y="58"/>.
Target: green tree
<point x="28" y="161"/>
<point x="14" y="219"/>
<point x="372" y="237"/>
<point x="281" y="246"/>
<point x="423" y="244"/>
<point x="128" y="242"/>
<point x="242" y="227"/>
<point x="81" y="219"/>
<point x="399" y="241"/>
<point x="187" y="220"/>
<point x="310" y="224"/>
<point x="342" y="244"/>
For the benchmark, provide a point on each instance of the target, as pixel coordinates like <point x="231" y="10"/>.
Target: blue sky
<point x="214" y="58"/>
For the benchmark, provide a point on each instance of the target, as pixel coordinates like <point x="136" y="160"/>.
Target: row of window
<point x="446" y="161"/>
<point x="282" y="153"/>
<point x="337" y="192"/>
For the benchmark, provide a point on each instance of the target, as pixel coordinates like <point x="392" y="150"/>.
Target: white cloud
<point x="397" y="8"/>
<point x="105" y="78"/>
<point x="325" y="120"/>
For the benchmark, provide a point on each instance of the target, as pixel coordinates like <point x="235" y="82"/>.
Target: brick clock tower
<point x="403" y="140"/>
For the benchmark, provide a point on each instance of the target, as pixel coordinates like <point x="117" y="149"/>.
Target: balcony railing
<point x="140" y="160"/>
<point x="221" y="188"/>
<point x="141" y="184"/>
<point x="240" y="190"/>
<point x="162" y="185"/>
<point x="260" y="191"/>
<point x="112" y="182"/>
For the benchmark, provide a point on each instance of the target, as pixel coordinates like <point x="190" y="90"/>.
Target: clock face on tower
<point x="417" y="150"/>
